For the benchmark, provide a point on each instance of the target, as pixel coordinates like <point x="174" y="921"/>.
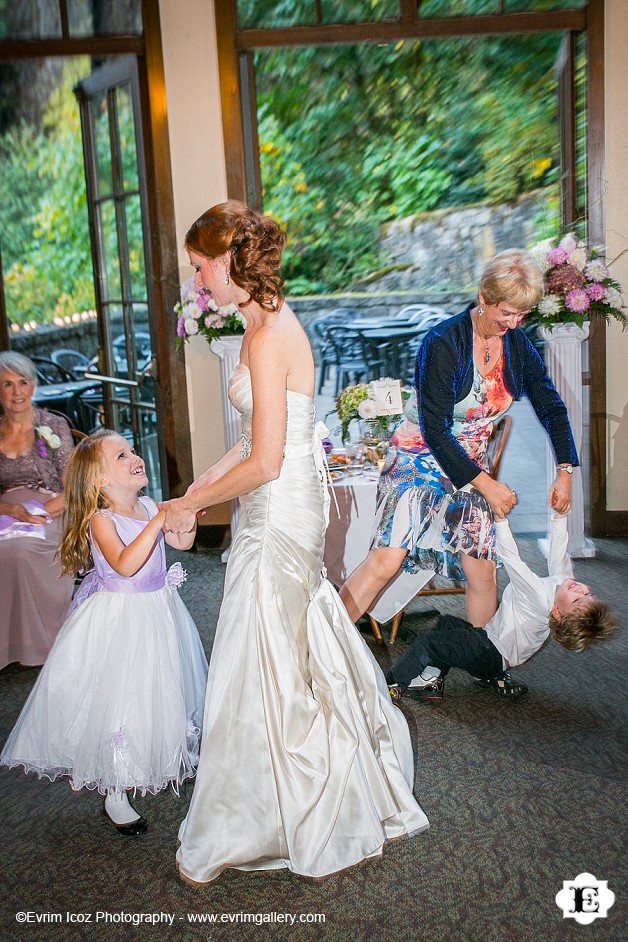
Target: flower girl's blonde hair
<point x="83" y="497"/>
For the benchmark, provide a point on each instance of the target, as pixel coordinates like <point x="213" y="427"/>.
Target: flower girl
<point x="119" y="702"/>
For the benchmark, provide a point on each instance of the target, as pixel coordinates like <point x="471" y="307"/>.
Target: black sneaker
<point x="503" y="686"/>
<point x="432" y="691"/>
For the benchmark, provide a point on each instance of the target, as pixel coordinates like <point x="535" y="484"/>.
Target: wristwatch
<point x="565" y="467"/>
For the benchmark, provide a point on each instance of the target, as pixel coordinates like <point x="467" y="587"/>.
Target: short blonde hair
<point x="592" y="621"/>
<point x="512" y="276"/>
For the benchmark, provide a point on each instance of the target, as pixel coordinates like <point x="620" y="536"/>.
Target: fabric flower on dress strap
<point x="176" y="576"/>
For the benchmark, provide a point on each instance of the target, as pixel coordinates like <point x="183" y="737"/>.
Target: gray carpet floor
<point x="520" y="796"/>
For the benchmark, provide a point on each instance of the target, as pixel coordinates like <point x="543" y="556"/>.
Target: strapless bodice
<point x="300" y="419"/>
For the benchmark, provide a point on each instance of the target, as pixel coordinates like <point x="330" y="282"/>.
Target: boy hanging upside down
<point x="532" y="609"/>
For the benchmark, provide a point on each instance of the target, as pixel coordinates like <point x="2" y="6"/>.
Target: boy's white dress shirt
<point x="521" y="623"/>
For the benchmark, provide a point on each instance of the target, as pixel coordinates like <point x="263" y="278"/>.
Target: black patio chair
<point x="419" y="313"/>
<point x="49" y="373"/>
<point x="357" y="360"/>
<point x="73" y="360"/>
<point x="319" y="331"/>
<point x="85" y="408"/>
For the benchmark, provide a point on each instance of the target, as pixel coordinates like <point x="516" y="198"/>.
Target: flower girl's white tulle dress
<point x="305" y="762"/>
<point x="119" y="702"/>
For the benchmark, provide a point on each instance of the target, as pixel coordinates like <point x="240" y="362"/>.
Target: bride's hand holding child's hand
<point x="178" y="518"/>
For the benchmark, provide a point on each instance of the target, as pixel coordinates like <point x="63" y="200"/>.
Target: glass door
<point x="119" y="229"/>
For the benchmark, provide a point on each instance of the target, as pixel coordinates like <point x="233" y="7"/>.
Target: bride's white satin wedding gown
<point x="305" y="762"/>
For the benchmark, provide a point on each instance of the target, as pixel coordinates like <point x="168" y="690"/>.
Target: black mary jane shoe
<point x="133" y="829"/>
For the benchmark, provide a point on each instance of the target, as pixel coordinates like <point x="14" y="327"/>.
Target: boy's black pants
<point x="453" y="643"/>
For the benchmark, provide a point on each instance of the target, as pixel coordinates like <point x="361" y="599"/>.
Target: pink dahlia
<point x="596" y="291"/>
<point x="577" y="301"/>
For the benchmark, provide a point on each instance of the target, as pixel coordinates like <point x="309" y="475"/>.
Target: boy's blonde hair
<point x="592" y="621"/>
<point x="83" y="497"/>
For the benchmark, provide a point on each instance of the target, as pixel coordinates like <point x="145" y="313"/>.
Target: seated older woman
<point x="435" y="499"/>
<point x="34" y="449"/>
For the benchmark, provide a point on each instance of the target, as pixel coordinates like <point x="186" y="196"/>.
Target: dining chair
<point x="49" y="373"/>
<point x="359" y="358"/>
<point x="417" y="312"/>
<point x="86" y="409"/>
<point x="72" y="360"/>
<point x="494" y="453"/>
<point x="77" y="435"/>
<point x="319" y="331"/>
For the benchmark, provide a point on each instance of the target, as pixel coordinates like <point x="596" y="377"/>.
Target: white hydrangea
<point x="550" y="305"/>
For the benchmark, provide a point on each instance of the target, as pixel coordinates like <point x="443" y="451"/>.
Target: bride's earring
<point x="480" y="312"/>
<point x="226" y="277"/>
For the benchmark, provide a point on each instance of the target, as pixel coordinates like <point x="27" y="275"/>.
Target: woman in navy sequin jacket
<point x="436" y="499"/>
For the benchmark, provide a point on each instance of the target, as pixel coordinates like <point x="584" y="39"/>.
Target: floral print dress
<point x="418" y="507"/>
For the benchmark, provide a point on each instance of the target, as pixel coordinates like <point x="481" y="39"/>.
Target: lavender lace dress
<point x="35" y="597"/>
<point x="119" y="702"/>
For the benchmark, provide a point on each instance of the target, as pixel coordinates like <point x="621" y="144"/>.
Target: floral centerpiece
<point x="355" y="403"/>
<point x="577" y="285"/>
<point x="198" y="313"/>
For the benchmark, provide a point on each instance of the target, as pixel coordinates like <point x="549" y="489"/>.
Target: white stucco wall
<point x="198" y="174"/>
<point x="616" y="144"/>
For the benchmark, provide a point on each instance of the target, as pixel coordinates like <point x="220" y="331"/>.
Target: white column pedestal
<point x="563" y="358"/>
<point x="227" y="349"/>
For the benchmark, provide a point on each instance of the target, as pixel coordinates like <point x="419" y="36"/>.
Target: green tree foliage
<point x="353" y="136"/>
<point x="45" y="236"/>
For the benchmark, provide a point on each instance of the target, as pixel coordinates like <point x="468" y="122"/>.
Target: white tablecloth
<point x="348" y="540"/>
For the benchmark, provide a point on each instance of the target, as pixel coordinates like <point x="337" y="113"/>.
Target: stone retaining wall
<point x="448" y="249"/>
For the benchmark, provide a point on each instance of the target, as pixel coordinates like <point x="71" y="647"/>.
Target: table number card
<point x="387" y="396"/>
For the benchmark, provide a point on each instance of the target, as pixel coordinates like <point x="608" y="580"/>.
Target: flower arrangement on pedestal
<point x="357" y="403"/>
<point x="198" y="313"/>
<point x="578" y="286"/>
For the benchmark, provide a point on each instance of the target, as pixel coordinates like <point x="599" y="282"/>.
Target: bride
<point x="305" y="762"/>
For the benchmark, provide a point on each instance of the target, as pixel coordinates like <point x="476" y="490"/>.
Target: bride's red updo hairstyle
<point x="255" y="243"/>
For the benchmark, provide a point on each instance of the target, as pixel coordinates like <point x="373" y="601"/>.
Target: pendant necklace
<point x="487" y="347"/>
<point x="487" y="350"/>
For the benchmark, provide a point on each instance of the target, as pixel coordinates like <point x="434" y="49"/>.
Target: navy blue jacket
<point x="444" y="373"/>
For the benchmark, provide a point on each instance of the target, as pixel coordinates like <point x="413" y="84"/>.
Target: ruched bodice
<point x="305" y="762"/>
<point x="300" y="409"/>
